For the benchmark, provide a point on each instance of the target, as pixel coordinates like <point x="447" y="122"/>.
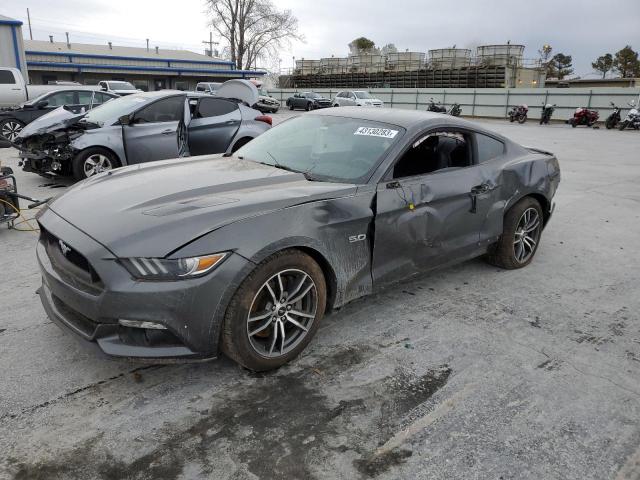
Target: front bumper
<point x="87" y="291"/>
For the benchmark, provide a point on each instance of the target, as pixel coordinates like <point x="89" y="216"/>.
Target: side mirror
<point x="42" y="104"/>
<point x="125" y="120"/>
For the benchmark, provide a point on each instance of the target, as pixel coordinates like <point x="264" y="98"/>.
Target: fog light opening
<point x="141" y="324"/>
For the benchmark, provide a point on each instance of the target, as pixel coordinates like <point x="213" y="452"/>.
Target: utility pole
<point x="29" y="22"/>
<point x="211" y="43"/>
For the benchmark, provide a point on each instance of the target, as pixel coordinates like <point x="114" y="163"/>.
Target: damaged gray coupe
<point x="244" y="254"/>
<point x="141" y="127"/>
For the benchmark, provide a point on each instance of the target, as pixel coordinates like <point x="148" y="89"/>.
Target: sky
<point x="584" y="29"/>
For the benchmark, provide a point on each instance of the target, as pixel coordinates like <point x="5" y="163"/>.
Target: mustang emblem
<point x="64" y="248"/>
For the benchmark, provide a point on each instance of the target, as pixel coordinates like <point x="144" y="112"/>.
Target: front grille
<point x="70" y="264"/>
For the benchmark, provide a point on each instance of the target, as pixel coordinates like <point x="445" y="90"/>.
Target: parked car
<point x="208" y="87"/>
<point x="141" y="128"/>
<point x="266" y="103"/>
<point x="13" y="120"/>
<point x="358" y="98"/>
<point x="308" y="101"/>
<point x="15" y="91"/>
<point x="118" y="87"/>
<point x="245" y="254"/>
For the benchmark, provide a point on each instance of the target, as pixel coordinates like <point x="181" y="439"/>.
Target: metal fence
<point x="496" y="102"/>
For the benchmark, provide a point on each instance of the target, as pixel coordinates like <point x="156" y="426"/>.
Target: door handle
<point x="167" y="132"/>
<point x="230" y="122"/>
<point x="482" y="188"/>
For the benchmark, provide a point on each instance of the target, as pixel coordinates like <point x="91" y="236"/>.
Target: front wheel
<point x="520" y="237"/>
<point x="92" y="161"/>
<point x="275" y="312"/>
<point x="11" y="128"/>
<point x="291" y="106"/>
<point x="522" y="119"/>
<point x="623" y="125"/>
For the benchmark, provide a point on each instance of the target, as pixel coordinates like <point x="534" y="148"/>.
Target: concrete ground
<point x="467" y="373"/>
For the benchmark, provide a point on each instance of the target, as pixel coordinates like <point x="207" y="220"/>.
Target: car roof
<point x="396" y="116"/>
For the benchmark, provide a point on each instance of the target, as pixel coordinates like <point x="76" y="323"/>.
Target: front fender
<point x="327" y="227"/>
<point x="107" y="137"/>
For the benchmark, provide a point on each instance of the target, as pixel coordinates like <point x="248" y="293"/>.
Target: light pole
<point x="294" y="65"/>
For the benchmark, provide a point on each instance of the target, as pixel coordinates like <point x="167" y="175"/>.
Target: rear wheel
<point x="610" y="123"/>
<point x="92" y="161"/>
<point x="275" y="312"/>
<point x="520" y="237"/>
<point x="10" y="128"/>
<point x="573" y="123"/>
<point x="308" y="107"/>
<point x="623" y="125"/>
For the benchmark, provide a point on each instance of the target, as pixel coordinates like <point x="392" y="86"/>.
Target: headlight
<point x="171" y="269"/>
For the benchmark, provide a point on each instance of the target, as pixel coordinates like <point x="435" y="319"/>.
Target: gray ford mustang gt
<point x="245" y="253"/>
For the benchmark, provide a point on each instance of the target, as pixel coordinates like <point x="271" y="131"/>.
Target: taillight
<point x="265" y="119"/>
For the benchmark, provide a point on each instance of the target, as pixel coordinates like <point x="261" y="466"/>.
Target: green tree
<point x="626" y="63"/>
<point x="545" y="63"/>
<point x="603" y="64"/>
<point x="561" y="65"/>
<point x="363" y="45"/>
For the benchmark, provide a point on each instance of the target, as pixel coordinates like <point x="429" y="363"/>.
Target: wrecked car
<point x="245" y="253"/>
<point x="140" y="128"/>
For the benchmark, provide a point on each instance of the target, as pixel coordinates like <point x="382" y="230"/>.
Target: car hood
<point x="54" y="120"/>
<point x="152" y="209"/>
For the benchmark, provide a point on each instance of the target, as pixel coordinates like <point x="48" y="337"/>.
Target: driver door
<point x="157" y="131"/>
<point x="431" y="208"/>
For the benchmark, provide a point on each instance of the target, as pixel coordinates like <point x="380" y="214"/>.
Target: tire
<point x="275" y="110"/>
<point x="336" y="105"/>
<point x="623" y="125"/>
<point x="511" y="118"/>
<point x="573" y="122"/>
<point x="10" y="128"/>
<point x="252" y="351"/>
<point x="610" y="123"/>
<point x="506" y="252"/>
<point x="522" y="119"/>
<point x="100" y="157"/>
<point x="308" y="107"/>
<point x="291" y="106"/>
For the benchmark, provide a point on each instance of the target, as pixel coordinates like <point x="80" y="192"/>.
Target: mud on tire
<point x="236" y="342"/>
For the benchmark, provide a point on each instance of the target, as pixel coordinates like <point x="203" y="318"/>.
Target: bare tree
<point x="254" y="29"/>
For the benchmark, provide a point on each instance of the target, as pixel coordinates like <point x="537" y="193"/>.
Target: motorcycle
<point x="547" y="111"/>
<point x="519" y="113"/>
<point x="433" y="107"/>
<point x="455" y="110"/>
<point x="632" y="119"/>
<point x="583" y="116"/>
<point x="613" y="119"/>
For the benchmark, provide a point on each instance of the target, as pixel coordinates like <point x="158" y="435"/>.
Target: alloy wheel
<point x="282" y="312"/>
<point x="11" y="129"/>
<point x="95" y="164"/>
<point x="527" y="235"/>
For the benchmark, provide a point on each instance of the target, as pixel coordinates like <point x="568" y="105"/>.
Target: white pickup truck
<point x="14" y="90"/>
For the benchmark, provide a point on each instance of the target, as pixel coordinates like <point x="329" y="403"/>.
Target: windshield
<point x="363" y="95"/>
<point x="121" y="86"/>
<point x="113" y="109"/>
<point x="311" y="95"/>
<point x="33" y="101"/>
<point x="263" y="92"/>
<point x="326" y="148"/>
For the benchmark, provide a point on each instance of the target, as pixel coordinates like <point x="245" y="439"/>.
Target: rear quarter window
<point x="488" y="148"/>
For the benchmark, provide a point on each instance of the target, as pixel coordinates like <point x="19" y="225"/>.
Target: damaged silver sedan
<point x="245" y="254"/>
<point x="140" y="128"/>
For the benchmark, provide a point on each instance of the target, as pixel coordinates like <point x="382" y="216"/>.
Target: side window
<point x="84" y="97"/>
<point x="213" y="107"/>
<point x="165" y="110"/>
<point x="62" y="98"/>
<point x="99" y="98"/>
<point x="200" y="88"/>
<point x="488" y="148"/>
<point x="435" y="151"/>
<point x="6" y="77"/>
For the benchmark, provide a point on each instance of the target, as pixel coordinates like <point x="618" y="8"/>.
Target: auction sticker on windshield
<point x="376" y="132"/>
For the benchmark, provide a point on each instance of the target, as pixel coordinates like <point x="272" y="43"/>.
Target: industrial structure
<point x="149" y="68"/>
<point x="492" y="66"/>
